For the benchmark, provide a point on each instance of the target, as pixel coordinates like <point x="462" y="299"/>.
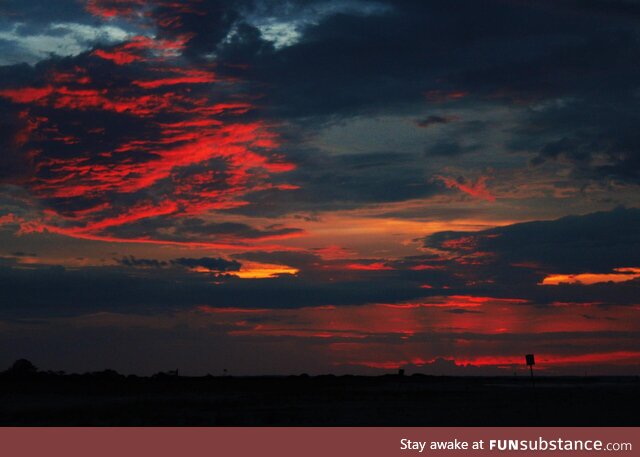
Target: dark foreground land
<point x="110" y="399"/>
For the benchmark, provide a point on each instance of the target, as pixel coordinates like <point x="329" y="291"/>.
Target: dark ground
<point x="110" y="399"/>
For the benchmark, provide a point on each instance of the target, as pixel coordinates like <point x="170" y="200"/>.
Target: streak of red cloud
<point x="423" y="267"/>
<point x="26" y="94"/>
<point x="116" y="56"/>
<point x="228" y="142"/>
<point x="393" y="364"/>
<point x="195" y="144"/>
<point x="143" y="48"/>
<point x="361" y="332"/>
<point x="70" y="77"/>
<point x="463" y="243"/>
<point x="30" y="126"/>
<point x="375" y="266"/>
<point x="27" y="227"/>
<point x="477" y="189"/>
<point x="109" y="9"/>
<point x="368" y="334"/>
<point x="155" y="83"/>
<point x="286" y="187"/>
<point x="529" y="265"/>
<point x="137" y="212"/>
<point x="545" y="361"/>
<point x="190" y="123"/>
<point x="455" y="301"/>
<point x="557" y="359"/>
<point x="215" y="310"/>
<point x="8" y="219"/>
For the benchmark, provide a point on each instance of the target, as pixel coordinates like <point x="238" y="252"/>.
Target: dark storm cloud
<point x="41" y="12"/>
<point x="623" y="9"/>
<point x="329" y="182"/>
<point x="512" y="261"/>
<point x="595" y="243"/>
<point x="349" y="63"/>
<point x="597" y="136"/>
<point x="196" y="229"/>
<point x="575" y="60"/>
<point x="210" y="263"/>
<point x="56" y="291"/>
<point x="311" y="78"/>
<point x="132" y="261"/>
<point x="302" y="260"/>
<point x="11" y="165"/>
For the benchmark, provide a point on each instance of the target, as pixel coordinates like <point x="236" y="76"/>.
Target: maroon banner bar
<point x="317" y="441"/>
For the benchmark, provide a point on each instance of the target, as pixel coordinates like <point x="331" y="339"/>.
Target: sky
<point x="272" y="187"/>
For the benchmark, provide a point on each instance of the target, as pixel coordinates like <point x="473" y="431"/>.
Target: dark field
<point x="109" y="399"/>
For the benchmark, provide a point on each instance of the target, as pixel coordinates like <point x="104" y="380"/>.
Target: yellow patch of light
<point x="619" y="275"/>
<point x="263" y="270"/>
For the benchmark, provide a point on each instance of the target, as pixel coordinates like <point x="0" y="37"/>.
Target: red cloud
<point x="183" y="77"/>
<point x="109" y="9"/>
<point x="26" y="94"/>
<point x="189" y="149"/>
<point x="142" y="48"/>
<point x="117" y="56"/>
<point x="477" y="189"/>
<point x="375" y="266"/>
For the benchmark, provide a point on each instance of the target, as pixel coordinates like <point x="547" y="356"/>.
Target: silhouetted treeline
<point x="33" y="397"/>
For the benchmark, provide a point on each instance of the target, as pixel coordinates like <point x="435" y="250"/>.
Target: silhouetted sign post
<point x="531" y="361"/>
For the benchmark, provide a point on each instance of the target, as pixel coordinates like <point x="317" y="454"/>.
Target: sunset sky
<point x="320" y="186"/>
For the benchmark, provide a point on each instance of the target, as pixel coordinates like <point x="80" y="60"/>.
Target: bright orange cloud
<point x="618" y="275"/>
